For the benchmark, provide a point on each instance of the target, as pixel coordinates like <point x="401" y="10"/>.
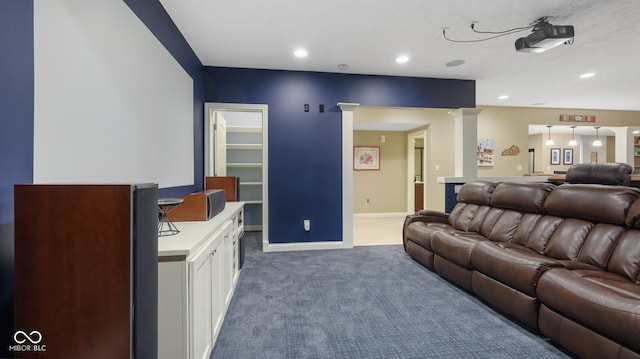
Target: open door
<point x="220" y="151"/>
<point x="236" y="146"/>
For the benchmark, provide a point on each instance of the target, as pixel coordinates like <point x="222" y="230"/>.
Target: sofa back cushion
<point x="599" y="244"/>
<point x="478" y="192"/>
<point x="463" y="214"/>
<point x="478" y="219"/>
<point x="592" y="202"/>
<point x="474" y="199"/>
<point x="625" y="259"/>
<point x="524" y="197"/>
<point x="600" y="173"/>
<point x="542" y="233"/>
<point x="633" y="215"/>
<point x="504" y="228"/>
<point x="568" y="239"/>
<point x="526" y="225"/>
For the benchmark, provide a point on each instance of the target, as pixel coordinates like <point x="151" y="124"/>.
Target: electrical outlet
<point x="306" y="107"/>
<point x="307" y="225"/>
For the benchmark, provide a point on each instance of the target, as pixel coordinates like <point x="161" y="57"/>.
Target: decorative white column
<point x="624" y="144"/>
<point x="347" y="172"/>
<point x="465" y="142"/>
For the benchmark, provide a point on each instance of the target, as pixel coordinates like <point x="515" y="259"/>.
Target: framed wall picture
<point x="567" y="156"/>
<point x="366" y="158"/>
<point x="555" y="156"/>
<point x="485" y="152"/>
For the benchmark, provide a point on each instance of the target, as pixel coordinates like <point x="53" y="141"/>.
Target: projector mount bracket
<point x="543" y="35"/>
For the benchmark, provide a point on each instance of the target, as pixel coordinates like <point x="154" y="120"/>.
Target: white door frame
<point x="209" y="109"/>
<point x="411" y="169"/>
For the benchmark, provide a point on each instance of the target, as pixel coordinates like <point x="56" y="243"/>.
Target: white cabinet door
<point x="201" y="329"/>
<point x="227" y="281"/>
<point x="221" y="287"/>
<point x="217" y="299"/>
<point x="237" y="232"/>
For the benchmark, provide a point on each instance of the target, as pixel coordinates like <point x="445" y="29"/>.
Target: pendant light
<point x="549" y="141"/>
<point x="597" y="142"/>
<point x="573" y="141"/>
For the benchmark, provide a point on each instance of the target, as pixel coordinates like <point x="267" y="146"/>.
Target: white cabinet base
<point x="197" y="273"/>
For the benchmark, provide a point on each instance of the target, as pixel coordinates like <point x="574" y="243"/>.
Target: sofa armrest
<point x="426" y="216"/>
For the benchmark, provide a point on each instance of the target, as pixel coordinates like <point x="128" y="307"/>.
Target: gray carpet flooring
<point x="365" y="302"/>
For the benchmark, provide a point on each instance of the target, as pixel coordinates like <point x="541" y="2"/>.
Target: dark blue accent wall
<point x="450" y="196"/>
<point x="16" y="138"/>
<point x="305" y="148"/>
<point x="16" y="100"/>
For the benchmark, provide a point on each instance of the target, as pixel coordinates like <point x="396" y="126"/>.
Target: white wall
<point x="111" y="103"/>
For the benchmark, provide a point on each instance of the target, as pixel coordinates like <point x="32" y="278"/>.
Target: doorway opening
<point x="381" y="198"/>
<point x="532" y="160"/>
<point x="416" y="171"/>
<point x="236" y="145"/>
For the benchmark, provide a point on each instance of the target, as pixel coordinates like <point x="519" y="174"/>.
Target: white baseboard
<point x="253" y="227"/>
<point x="303" y="246"/>
<point x="381" y="215"/>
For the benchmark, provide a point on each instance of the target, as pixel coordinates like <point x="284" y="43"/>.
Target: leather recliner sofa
<point x="564" y="260"/>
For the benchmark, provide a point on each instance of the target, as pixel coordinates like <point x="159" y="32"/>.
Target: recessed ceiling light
<point x="300" y="53"/>
<point x="587" y="75"/>
<point x="343" y="67"/>
<point x="402" y="59"/>
<point x="503" y="97"/>
<point x="454" y="63"/>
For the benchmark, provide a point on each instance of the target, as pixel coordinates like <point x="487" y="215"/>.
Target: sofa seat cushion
<point x="602" y="301"/>
<point x="422" y="233"/>
<point x="512" y="264"/>
<point x="456" y="246"/>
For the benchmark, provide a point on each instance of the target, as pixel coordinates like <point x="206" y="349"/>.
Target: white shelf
<point x="248" y="129"/>
<point x="244" y="164"/>
<point x="252" y="202"/>
<point x="251" y="183"/>
<point x="244" y="146"/>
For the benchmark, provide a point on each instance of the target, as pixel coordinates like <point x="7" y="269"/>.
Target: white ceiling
<point x="369" y="35"/>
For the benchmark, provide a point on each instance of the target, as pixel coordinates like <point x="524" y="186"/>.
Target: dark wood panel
<point x="230" y="186"/>
<point x="73" y="268"/>
<point x="419" y="196"/>
<point x="194" y="208"/>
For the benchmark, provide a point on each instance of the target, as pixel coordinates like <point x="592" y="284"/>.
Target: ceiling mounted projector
<point x="545" y="36"/>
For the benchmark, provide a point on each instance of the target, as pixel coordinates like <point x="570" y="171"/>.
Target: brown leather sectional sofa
<point x="564" y="260"/>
